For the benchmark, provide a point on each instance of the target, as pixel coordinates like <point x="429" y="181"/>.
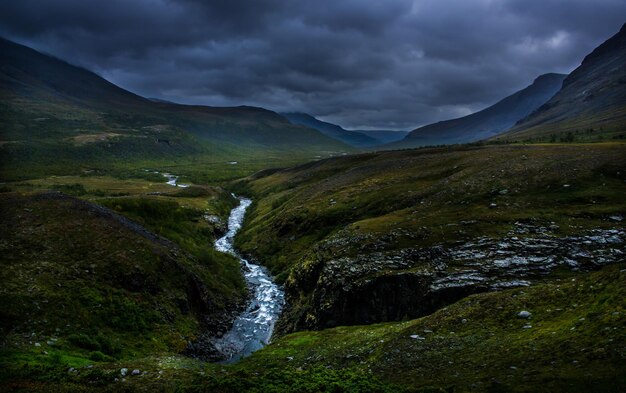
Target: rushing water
<point x="253" y="328"/>
<point x="172" y="180"/>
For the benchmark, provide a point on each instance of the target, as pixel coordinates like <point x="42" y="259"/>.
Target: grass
<point x="422" y="192"/>
<point x="307" y="218"/>
<point x="590" y="126"/>
<point x="391" y="200"/>
<point x="178" y="214"/>
<point x="80" y="284"/>
<point x="576" y="344"/>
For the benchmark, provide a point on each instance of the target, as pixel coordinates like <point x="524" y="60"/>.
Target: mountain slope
<point x="352" y="138"/>
<point x="571" y="342"/>
<point x="89" y="282"/>
<point x="393" y="235"/>
<point x="384" y="136"/>
<point x="56" y="117"/>
<point x="489" y="121"/>
<point x="591" y="101"/>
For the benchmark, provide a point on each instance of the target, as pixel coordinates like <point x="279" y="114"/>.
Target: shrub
<point x="84" y="341"/>
<point x="71" y="189"/>
<point x="97" y="356"/>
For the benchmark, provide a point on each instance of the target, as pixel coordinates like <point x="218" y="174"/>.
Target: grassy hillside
<point x="572" y="342"/>
<point x="466" y="268"/>
<point x="374" y="237"/>
<point x="58" y="119"/>
<point x="81" y="284"/>
<point x="344" y="214"/>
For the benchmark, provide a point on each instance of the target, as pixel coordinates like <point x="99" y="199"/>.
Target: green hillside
<point x="491" y="267"/>
<point x="376" y="237"/>
<point x="81" y="283"/>
<point x="56" y="118"/>
<point x="572" y="341"/>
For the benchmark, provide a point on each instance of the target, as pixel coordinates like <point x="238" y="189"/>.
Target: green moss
<point x="575" y="344"/>
<point x="478" y="343"/>
<point x="428" y="197"/>
<point x="79" y="281"/>
<point x="186" y="227"/>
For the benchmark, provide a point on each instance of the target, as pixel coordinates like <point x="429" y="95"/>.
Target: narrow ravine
<point x="252" y="329"/>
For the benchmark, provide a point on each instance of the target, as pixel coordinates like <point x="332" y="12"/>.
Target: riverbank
<point x="253" y="328"/>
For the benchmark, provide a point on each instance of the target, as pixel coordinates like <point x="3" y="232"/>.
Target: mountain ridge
<point x="55" y="116"/>
<point x="591" y="101"/>
<point x="353" y="138"/>
<point x="489" y="121"/>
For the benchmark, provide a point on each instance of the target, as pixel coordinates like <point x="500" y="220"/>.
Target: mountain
<point x="591" y="104"/>
<point x="384" y="136"/>
<point x="489" y="121"/>
<point x="352" y="138"/>
<point x="55" y="116"/>
<point x="356" y="138"/>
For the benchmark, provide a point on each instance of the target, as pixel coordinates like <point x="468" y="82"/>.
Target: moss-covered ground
<point x="84" y="295"/>
<point x="433" y="196"/>
<point x="573" y="341"/>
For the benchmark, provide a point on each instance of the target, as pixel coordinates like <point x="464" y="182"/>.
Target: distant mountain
<point x="488" y="122"/>
<point x="28" y="75"/>
<point x="153" y="99"/>
<point x="384" y="136"/>
<point x="54" y="114"/>
<point x="352" y="138"/>
<point x="591" y="104"/>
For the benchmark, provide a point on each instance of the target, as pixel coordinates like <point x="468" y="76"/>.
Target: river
<point x="252" y="329"/>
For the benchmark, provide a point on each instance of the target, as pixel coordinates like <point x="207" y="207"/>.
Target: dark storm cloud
<point x="379" y="64"/>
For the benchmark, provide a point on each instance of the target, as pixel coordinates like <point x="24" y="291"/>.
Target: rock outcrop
<point x="408" y="283"/>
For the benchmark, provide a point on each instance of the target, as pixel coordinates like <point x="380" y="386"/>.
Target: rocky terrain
<point x="397" y="235"/>
<point x="411" y="282"/>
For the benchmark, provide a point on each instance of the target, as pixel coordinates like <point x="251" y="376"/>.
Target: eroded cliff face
<point x="327" y="289"/>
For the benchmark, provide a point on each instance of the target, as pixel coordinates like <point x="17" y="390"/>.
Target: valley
<point x="381" y="272"/>
<point x="150" y="246"/>
<point x="253" y="328"/>
<point x="365" y="232"/>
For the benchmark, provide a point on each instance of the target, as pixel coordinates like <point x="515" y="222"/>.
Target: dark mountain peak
<point x="549" y="77"/>
<point x="591" y="98"/>
<point x="614" y="44"/>
<point x="353" y="138"/>
<point x="22" y="68"/>
<point x="489" y="121"/>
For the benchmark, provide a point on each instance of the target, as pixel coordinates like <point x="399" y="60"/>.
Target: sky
<point x="363" y="64"/>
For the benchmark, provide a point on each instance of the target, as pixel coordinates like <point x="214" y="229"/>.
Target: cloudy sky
<point x="387" y="64"/>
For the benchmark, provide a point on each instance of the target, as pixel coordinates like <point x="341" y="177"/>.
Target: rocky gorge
<point x="408" y="283"/>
